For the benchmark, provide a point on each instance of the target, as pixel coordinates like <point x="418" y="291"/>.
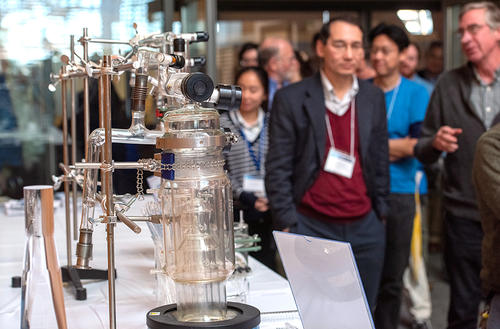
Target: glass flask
<point x="197" y="217"/>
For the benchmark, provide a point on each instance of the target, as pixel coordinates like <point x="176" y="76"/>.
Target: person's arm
<point x="486" y="172"/>
<point x="424" y="150"/>
<point x="404" y="147"/>
<point x="280" y="162"/>
<point x="401" y="148"/>
<point x="382" y="179"/>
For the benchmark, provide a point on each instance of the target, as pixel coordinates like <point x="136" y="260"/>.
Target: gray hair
<point x="492" y="12"/>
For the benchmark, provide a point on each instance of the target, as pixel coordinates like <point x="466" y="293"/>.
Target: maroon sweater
<point x="334" y="197"/>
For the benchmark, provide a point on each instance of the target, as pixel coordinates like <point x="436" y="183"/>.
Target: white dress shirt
<point x="251" y="131"/>
<point x="332" y="102"/>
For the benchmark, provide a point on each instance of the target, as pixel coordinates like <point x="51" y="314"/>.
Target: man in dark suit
<point x="328" y="165"/>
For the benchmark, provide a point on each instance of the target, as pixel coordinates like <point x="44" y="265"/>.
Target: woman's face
<point x="253" y="94"/>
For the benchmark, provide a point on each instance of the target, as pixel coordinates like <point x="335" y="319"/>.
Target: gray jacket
<point x="486" y="174"/>
<point x="450" y="105"/>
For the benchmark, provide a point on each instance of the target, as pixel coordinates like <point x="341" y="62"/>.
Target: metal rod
<point x="152" y="218"/>
<point x="65" y="161"/>
<point x="127" y="221"/>
<point x="115" y="165"/>
<point x="211" y="19"/>
<point x="73" y="142"/>
<point x="109" y="41"/>
<point x="124" y="67"/>
<point x="103" y="94"/>
<point x="107" y="183"/>
<point x="86" y="114"/>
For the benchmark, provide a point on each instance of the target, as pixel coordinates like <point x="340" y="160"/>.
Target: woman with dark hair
<point x="245" y="161"/>
<point x="248" y="55"/>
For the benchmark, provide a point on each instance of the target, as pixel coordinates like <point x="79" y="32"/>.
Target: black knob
<point x="15" y="282"/>
<point x="197" y="87"/>
<point x="199" y="61"/>
<point x="179" y="62"/>
<point x="201" y="37"/>
<point x="179" y="45"/>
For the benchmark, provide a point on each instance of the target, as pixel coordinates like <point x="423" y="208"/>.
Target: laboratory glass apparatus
<point x="197" y="217"/>
<point x="194" y="197"/>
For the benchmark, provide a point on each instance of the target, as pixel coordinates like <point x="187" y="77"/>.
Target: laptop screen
<point x="325" y="282"/>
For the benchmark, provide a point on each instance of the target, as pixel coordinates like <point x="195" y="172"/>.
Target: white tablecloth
<point x="269" y="292"/>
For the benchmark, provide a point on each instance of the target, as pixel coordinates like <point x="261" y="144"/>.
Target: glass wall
<point x="33" y="36"/>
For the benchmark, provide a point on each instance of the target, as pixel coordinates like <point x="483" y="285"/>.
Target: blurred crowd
<point x="360" y="143"/>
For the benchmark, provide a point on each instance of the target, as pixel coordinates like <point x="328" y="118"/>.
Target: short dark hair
<point x="263" y="78"/>
<point x="393" y="32"/>
<point x="324" y="33"/>
<point x="247" y="46"/>
<point x="435" y="44"/>
<point x="315" y="38"/>
<point x="265" y="55"/>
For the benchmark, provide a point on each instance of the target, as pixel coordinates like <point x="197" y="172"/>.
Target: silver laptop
<point x="325" y="282"/>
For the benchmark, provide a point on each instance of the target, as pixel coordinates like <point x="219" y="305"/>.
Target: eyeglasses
<point x="385" y="51"/>
<point x="341" y="46"/>
<point x="249" y="62"/>
<point x="473" y="29"/>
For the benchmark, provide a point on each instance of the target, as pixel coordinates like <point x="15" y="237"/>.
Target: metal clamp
<point x="170" y="143"/>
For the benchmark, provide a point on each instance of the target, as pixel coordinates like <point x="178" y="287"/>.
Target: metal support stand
<point x="75" y="275"/>
<point x="69" y="272"/>
<point x="107" y="181"/>
<point x="73" y="142"/>
<point x="66" y="162"/>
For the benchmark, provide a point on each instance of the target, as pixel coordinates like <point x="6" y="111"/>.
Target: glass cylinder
<point x="42" y="299"/>
<point x="197" y="213"/>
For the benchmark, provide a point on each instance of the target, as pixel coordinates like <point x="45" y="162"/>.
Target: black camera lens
<point x="229" y="97"/>
<point x="197" y="87"/>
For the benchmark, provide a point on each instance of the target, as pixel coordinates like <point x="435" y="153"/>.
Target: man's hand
<point x="262" y="204"/>
<point x="445" y="139"/>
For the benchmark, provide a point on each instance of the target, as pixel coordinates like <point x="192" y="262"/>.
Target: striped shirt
<point x="239" y="161"/>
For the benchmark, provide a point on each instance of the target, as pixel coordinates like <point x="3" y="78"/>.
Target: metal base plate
<point x="247" y="317"/>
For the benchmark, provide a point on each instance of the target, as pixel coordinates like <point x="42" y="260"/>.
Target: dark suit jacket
<point x="297" y="146"/>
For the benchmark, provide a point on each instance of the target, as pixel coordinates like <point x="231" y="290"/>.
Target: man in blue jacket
<point x="406" y="102"/>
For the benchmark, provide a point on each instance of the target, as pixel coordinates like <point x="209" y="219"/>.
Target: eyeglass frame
<point x="472" y="29"/>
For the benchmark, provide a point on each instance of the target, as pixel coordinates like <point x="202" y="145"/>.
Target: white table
<point x="269" y="292"/>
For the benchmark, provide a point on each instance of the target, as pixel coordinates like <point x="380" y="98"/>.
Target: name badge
<point x="254" y="184"/>
<point x="339" y="163"/>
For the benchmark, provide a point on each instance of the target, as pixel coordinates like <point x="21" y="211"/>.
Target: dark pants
<point x="463" y="262"/>
<point x="367" y="239"/>
<point x="399" y="228"/>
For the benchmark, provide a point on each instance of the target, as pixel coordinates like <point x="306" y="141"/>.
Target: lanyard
<point x="329" y="128"/>
<point x="393" y="101"/>
<point x="255" y="158"/>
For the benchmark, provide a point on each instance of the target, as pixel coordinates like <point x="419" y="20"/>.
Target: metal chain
<point x="193" y="165"/>
<point x="139" y="186"/>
